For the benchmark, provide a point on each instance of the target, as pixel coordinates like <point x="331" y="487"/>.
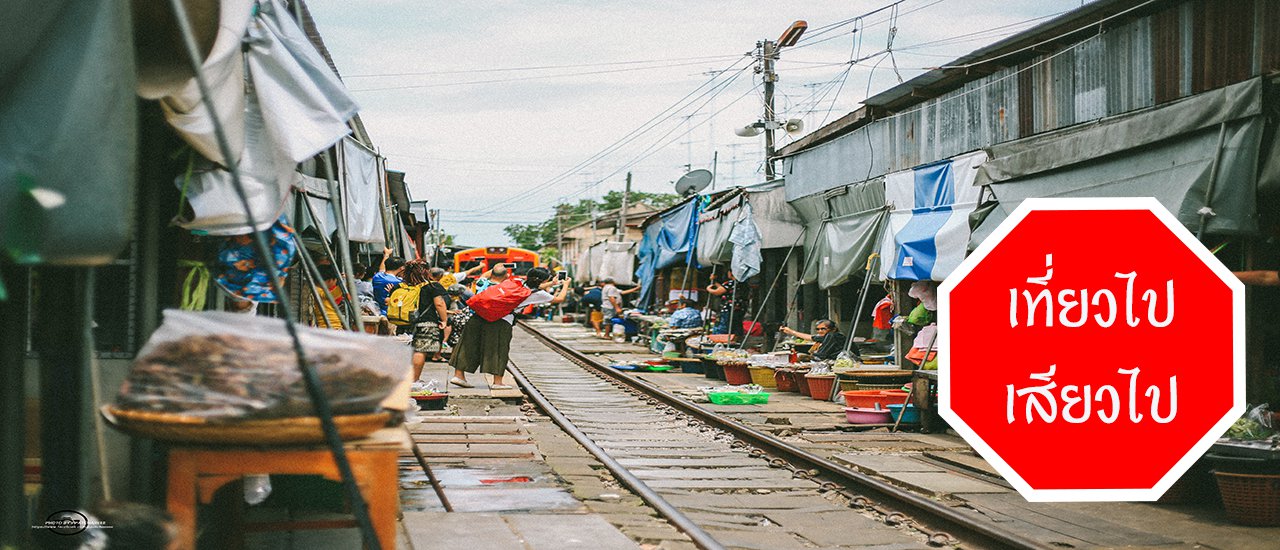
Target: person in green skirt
<point x="485" y="346"/>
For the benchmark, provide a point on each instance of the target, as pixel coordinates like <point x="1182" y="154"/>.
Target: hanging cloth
<point x="746" y="245"/>
<point x="195" y="288"/>
<point x="239" y="272"/>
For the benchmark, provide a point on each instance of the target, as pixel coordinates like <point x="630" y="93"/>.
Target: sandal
<point x="460" y="382"/>
<point x="501" y="387"/>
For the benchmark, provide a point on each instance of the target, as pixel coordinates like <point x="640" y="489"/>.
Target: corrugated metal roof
<point x="1067" y="28"/>
<point x="1126" y="67"/>
<point x="994" y="59"/>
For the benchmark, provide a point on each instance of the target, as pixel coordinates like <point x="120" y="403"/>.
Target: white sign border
<point x="1237" y="336"/>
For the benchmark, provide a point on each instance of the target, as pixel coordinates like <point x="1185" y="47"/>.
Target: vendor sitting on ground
<point x="685" y="316"/>
<point x="830" y="341"/>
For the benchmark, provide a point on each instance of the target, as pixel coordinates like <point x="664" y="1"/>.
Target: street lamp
<point x="767" y="124"/>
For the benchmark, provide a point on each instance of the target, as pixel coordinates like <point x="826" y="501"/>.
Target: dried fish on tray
<point x="228" y="366"/>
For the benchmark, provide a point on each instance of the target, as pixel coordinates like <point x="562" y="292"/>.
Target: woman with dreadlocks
<point x="432" y="315"/>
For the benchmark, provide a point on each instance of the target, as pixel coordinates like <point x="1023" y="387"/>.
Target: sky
<point x="496" y="111"/>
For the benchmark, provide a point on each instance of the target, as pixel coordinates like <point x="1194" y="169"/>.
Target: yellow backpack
<point x="402" y="304"/>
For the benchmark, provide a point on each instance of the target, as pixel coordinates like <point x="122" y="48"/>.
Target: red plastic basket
<point x="820" y="385"/>
<point x="736" y="374"/>
<point x="802" y="383"/>
<point x="1251" y="499"/>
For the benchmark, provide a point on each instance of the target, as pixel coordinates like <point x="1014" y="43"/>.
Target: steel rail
<point x="943" y="516"/>
<point x="672" y="514"/>
<point x="431" y="475"/>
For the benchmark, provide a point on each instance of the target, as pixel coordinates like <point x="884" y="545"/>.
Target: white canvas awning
<point x="362" y="192"/>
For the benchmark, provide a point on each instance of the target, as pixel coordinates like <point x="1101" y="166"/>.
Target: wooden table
<point x="198" y="472"/>
<point x="925" y="398"/>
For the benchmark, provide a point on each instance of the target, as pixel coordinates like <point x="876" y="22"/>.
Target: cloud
<point x="504" y="138"/>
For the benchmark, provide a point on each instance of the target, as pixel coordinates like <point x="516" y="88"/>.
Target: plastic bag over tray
<point x="230" y="366"/>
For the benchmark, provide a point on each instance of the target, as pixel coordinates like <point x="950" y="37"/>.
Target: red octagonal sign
<point x="1091" y="349"/>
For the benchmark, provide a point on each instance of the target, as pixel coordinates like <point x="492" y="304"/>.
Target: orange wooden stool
<point x="198" y="472"/>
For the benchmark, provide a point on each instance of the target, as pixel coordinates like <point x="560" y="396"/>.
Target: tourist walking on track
<point x="485" y="344"/>
<point x="431" y="315"/>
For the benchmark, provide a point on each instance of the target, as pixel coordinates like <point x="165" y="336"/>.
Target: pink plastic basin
<point x="859" y="415"/>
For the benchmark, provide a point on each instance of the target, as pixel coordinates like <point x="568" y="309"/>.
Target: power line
<point x="655" y="149"/>
<point x="523" y="78"/>
<point x="664" y="115"/>
<point x="543" y="67"/>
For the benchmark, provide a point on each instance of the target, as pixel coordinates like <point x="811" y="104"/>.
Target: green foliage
<point x="445" y="238"/>
<point x="550" y="257"/>
<point x="532" y="236"/>
<point x="537" y="235"/>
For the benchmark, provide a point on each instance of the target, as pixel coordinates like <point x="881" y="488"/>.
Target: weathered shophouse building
<point x="1175" y="99"/>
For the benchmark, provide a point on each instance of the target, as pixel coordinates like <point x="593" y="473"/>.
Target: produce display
<point x="844" y="362"/>
<point x="227" y="366"/>
<point x="749" y="394"/>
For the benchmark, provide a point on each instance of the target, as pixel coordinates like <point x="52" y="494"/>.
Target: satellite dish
<point x="692" y="182"/>
<point x="794" y="126"/>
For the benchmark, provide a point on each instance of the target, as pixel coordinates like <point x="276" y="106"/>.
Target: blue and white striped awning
<point x="929" y="225"/>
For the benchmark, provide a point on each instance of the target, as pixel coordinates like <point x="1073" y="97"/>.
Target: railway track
<point x="725" y="484"/>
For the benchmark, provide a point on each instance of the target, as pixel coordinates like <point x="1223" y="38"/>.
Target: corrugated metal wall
<point x="1187" y="48"/>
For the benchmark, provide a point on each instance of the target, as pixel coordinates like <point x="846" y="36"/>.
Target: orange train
<point x="523" y="260"/>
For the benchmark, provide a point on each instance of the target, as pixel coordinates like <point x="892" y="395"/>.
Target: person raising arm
<point x="830" y="341"/>
<point x="1258" y="277"/>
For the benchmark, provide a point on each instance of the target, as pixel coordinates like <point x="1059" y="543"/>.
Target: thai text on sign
<point x="1078" y="402"/>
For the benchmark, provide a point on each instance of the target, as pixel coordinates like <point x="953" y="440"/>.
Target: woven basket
<point x="786" y="379"/>
<point x="277" y="431"/>
<point x="1251" y="499"/>
<point x="763" y="377"/>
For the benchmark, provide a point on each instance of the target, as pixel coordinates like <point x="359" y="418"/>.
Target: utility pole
<point x="593" y="225"/>
<point x="768" y="53"/>
<point x="435" y="227"/>
<point x="715" y="161"/>
<point x="560" y="234"/>
<point x="622" y="214"/>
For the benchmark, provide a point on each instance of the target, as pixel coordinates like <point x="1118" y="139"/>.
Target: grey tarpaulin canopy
<point x="1167" y="152"/>
<point x="68" y="131"/>
<point x="715" y="224"/>
<point x="779" y="224"/>
<point x="304" y="105"/>
<point x="842" y="228"/>
<point x="316" y="191"/>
